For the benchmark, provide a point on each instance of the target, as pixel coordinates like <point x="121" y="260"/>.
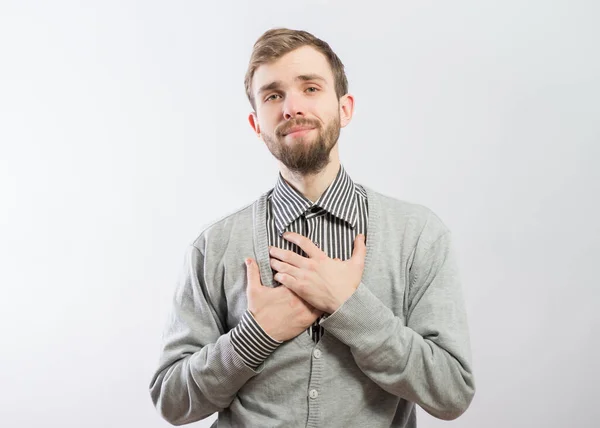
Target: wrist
<point x="251" y="343"/>
<point x="260" y="324"/>
<point x="341" y="299"/>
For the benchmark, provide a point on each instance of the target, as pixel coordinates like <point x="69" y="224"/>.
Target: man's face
<point x="297" y="92"/>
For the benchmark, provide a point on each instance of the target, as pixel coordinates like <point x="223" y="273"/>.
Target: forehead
<point x="305" y="60"/>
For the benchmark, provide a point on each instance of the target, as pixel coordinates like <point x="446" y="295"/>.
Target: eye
<point x="270" y="97"/>
<point x="313" y="87"/>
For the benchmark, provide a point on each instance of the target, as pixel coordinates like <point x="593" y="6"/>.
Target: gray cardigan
<point x="402" y="337"/>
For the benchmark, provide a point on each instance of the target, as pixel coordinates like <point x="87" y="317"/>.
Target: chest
<point x="388" y="278"/>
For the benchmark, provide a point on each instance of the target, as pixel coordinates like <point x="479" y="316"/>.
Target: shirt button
<point x="313" y="393"/>
<point x="317" y="353"/>
<point x="318" y="244"/>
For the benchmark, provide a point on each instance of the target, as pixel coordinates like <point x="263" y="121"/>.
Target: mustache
<point x="283" y="129"/>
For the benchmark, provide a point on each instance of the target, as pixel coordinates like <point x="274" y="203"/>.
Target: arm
<point x="199" y="372"/>
<point x="427" y="361"/>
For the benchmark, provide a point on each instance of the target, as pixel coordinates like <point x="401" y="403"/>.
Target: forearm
<point x="199" y="371"/>
<point x="190" y="387"/>
<point x="431" y="369"/>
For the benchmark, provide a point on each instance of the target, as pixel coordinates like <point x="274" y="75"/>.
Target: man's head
<point x="295" y="81"/>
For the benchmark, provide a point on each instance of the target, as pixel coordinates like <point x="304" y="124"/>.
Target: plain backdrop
<point x="124" y="132"/>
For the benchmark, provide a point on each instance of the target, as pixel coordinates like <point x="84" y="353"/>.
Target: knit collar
<point x="339" y="199"/>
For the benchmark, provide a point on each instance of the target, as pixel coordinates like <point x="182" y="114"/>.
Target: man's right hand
<point x="279" y="311"/>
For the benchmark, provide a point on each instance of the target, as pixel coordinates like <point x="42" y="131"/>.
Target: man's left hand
<point x="323" y="282"/>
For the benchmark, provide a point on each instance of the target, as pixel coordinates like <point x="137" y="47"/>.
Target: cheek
<point x="332" y="118"/>
<point x="331" y="114"/>
<point x="267" y="123"/>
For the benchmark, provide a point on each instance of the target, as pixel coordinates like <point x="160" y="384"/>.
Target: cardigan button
<point x="313" y="394"/>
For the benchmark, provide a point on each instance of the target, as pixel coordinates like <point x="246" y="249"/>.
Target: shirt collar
<point x="339" y="199"/>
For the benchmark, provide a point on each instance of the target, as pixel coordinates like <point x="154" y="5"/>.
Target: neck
<point x="314" y="185"/>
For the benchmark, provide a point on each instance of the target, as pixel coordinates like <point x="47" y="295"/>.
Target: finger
<point x="303" y="242"/>
<point x="252" y="274"/>
<point x="289" y="257"/>
<point x="290" y="283"/>
<point x="360" y="249"/>
<point x="286" y="268"/>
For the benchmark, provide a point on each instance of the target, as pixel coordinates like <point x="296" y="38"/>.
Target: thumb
<point x="252" y="273"/>
<point x="360" y="248"/>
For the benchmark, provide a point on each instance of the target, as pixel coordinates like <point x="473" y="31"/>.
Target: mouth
<point x="298" y="133"/>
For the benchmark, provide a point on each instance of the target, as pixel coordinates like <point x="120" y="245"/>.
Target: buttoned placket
<point x="316" y="372"/>
<point x="316" y="412"/>
<point x="315" y="388"/>
<point x="312" y="220"/>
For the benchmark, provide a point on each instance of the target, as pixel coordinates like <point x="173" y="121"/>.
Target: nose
<point x="293" y="106"/>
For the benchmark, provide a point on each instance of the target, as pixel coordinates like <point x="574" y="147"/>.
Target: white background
<point x="123" y="132"/>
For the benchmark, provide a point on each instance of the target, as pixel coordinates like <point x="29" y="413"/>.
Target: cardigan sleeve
<point x="199" y="372"/>
<point x="427" y="359"/>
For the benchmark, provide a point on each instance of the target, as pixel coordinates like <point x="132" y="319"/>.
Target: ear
<point x="253" y="119"/>
<point x="346" y="109"/>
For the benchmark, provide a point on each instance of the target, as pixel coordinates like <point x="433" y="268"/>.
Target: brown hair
<point x="276" y="42"/>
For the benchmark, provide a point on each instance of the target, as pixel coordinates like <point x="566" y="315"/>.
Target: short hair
<point x="276" y="42"/>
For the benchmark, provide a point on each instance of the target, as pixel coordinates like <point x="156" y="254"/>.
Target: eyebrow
<point x="277" y="83"/>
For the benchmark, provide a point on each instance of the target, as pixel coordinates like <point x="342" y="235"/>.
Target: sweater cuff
<point x="252" y="344"/>
<point x="362" y="322"/>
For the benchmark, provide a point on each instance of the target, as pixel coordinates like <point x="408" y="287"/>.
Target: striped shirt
<point x="332" y="223"/>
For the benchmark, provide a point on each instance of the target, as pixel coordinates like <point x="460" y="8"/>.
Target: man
<point x="322" y="327"/>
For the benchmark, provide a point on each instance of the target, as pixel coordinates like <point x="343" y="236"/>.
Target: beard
<point x="302" y="156"/>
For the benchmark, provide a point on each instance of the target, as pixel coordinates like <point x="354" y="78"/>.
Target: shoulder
<point x="410" y="216"/>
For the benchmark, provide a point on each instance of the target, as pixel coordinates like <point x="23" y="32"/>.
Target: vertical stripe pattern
<point x="332" y="222"/>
